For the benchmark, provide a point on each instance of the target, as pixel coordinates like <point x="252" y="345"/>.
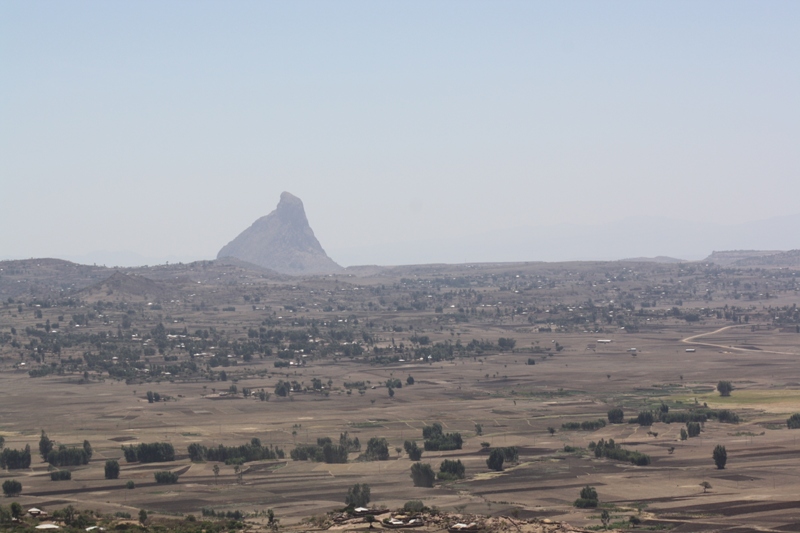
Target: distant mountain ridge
<point x="282" y="241"/>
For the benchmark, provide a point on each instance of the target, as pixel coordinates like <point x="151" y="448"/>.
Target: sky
<point x="153" y="131"/>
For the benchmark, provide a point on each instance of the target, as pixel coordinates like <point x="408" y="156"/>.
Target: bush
<point x="130" y="485"/>
<point x="15" y="459"/>
<point x="793" y="422"/>
<point x="60" y="475"/>
<point x="613" y="451"/>
<point x="422" y="475"/>
<point x="112" y="469"/>
<point x="413" y="506"/>
<point x="693" y="429"/>
<point x="645" y="418"/>
<point x="377" y="449"/>
<point x="451" y="470"/>
<point x="720" y="456"/>
<point x="166" y="477"/>
<point x="414" y="452"/>
<point x="616" y="416"/>
<point x="588" y="498"/>
<point x="155" y="452"/>
<point x="437" y="440"/>
<point x="12" y="487"/>
<point x="725" y="388"/>
<point x="496" y="460"/>
<point x="358" y="495"/>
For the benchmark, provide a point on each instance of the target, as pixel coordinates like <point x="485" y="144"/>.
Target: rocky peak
<point x="282" y="241"/>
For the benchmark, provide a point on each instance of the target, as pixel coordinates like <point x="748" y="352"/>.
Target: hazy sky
<point x="165" y="128"/>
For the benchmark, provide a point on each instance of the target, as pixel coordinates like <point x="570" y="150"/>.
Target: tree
<point x="112" y="469"/>
<point x="684" y="435"/>
<point x="720" y="456"/>
<point x="706" y="485"/>
<point x="496" y="459"/>
<point x="142" y="516"/>
<point x="422" y="475"/>
<point x="724" y="388"/>
<point x="377" y="449"/>
<point x="410" y="380"/>
<point x="88" y="449"/>
<point x="588" y="498"/>
<point x="391" y="392"/>
<point x="793" y="422"/>
<point x="216" y="473"/>
<point x="358" y="495"/>
<point x="693" y="428"/>
<point x="414" y="452"/>
<point x="45" y="445"/>
<point x="616" y="416"/>
<point x="16" y="510"/>
<point x="12" y="487"/>
<point x="450" y="470"/>
<point x="605" y="518"/>
<point x="2" y="442"/>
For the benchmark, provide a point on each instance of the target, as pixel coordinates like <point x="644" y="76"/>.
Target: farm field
<point x="506" y="355"/>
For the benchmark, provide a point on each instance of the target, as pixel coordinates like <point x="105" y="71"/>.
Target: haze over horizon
<point x="413" y="133"/>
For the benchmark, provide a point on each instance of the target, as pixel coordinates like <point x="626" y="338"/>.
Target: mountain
<point x="126" y="287"/>
<point x="282" y="241"/>
<point x="735" y="257"/>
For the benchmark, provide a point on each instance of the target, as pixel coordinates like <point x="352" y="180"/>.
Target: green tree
<point x="142" y="516"/>
<point x="706" y="485"/>
<point x="112" y="469"/>
<point x="12" y="487"/>
<point x="45" y="445"/>
<point x="88" y="449"/>
<point x="422" y="475"/>
<point x="496" y="459"/>
<point x="684" y="435"/>
<point x="16" y="510"/>
<point x="725" y="388"/>
<point x="358" y="495"/>
<point x="793" y="422"/>
<point x="414" y="452"/>
<point x="720" y="456"/>
<point x="693" y="429"/>
<point x="588" y="498"/>
<point x="216" y="473"/>
<point x="616" y="416"/>
<point x="605" y="518"/>
<point x="377" y="449"/>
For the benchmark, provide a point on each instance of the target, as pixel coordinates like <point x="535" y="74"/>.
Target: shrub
<point x="451" y="470"/>
<point x="436" y="439"/>
<point x="155" y="452"/>
<point x="611" y="450"/>
<point x="422" y="475"/>
<point x="616" y="416"/>
<point x="413" y="506"/>
<point x="60" y="475"/>
<point x="358" y="495"/>
<point x="588" y="498"/>
<point x="12" y="487"/>
<point x="166" y="477"/>
<point x="645" y="418"/>
<point x="130" y="485"/>
<point x="495" y="460"/>
<point x="377" y="449"/>
<point x="414" y="452"/>
<point x="793" y="422"/>
<point x="725" y="388"/>
<point x="720" y="456"/>
<point x="693" y="429"/>
<point x="112" y="469"/>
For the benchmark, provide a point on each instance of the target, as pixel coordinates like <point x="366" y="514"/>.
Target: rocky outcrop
<point x="282" y="241"/>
